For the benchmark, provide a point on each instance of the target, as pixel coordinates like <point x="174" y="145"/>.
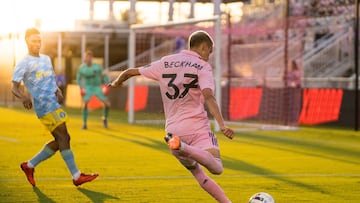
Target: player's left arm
<point x="215" y="111"/>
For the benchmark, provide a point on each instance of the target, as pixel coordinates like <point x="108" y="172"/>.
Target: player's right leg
<point x="106" y="113"/>
<point x="46" y="152"/>
<point x="29" y="166"/>
<point x="86" y="98"/>
<point x="63" y="139"/>
<point x="55" y="122"/>
<point x="208" y="184"/>
<point x="85" y="113"/>
<point x="101" y="96"/>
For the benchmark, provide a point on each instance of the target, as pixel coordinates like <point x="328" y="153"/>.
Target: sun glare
<point x="18" y="15"/>
<point x="60" y="15"/>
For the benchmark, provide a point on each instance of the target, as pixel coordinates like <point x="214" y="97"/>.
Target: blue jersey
<point x="38" y="76"/>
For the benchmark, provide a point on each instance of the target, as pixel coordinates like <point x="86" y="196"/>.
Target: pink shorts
<point x="202" y="141"/>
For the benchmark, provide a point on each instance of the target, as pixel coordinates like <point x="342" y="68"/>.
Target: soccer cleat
<point x="85" y="178"/>
<point x="84" y="127"/>
<point x="29" y="172"/>
<point x="167" y="137"/>
<point x="105" y="124"/>
<point x="173" y="141"/>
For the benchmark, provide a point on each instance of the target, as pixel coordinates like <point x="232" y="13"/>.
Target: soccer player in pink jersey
<point x="186" y="84"/>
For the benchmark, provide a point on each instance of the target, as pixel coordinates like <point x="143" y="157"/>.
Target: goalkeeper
<point x="91" y="79"/>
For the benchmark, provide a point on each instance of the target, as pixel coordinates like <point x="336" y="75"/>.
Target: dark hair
<point x="198" y="37"/>
<point x="89" y="52"/>
<point x="31" y="31"/>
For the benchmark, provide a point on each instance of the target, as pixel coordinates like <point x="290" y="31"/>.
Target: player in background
<point x="186" y="84"/>
<point x="37" y="73"/>
<point x="91" y="79"/>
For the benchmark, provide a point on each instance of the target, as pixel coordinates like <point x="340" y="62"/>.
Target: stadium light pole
<point x="229" y="72"/>
<point x="286" y="47"/>
<point x="14" y="38"/>
<point x="286" y="15"/>
<point x="218" y="64"/>
<point x="131" y="89"/>
<point x="356" y="61"/>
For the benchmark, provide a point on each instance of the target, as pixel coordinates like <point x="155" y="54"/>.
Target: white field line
<point x="8" y="139"/>
<point x="333" y="175"/>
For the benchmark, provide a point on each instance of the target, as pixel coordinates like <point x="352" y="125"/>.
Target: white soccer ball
<point x="261" y="197"/>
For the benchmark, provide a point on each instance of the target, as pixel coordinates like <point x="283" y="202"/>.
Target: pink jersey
<point x="181" y="78"/>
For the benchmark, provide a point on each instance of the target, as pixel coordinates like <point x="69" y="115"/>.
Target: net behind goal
<point x="244" y="104"/>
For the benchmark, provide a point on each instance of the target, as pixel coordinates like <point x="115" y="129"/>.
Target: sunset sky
<point x="16" y="15"/>
<point x="60" y="15"/>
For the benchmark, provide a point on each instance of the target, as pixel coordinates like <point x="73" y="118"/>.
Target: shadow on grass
<point x="42" y="197"/>
<point x="156" y="144"/>
<point x="97" y="197"/>
<point x="303" y="146"/>
<point x="235" y="164"/>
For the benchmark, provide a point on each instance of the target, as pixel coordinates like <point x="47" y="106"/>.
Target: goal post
<point x="150" y="42"/>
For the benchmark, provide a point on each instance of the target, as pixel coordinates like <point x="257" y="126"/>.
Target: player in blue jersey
<point x="37" y="74"/>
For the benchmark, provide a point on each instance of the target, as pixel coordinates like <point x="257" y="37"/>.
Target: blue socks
<point x="68" y="157"/>
<point x="66" y="154"/>
<point x="44" y="154"/>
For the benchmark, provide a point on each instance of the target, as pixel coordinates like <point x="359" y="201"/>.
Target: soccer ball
<point x="261" y="197"/>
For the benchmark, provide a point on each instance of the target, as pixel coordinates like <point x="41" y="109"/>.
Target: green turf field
<point x="310" y="165"/>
